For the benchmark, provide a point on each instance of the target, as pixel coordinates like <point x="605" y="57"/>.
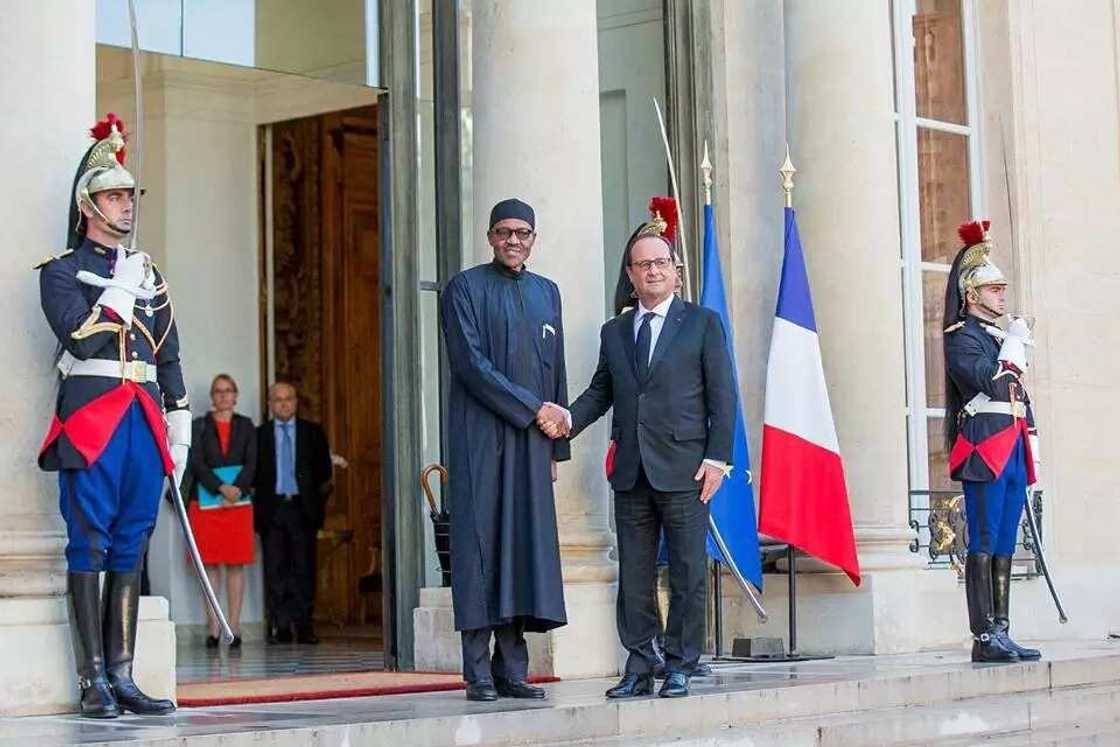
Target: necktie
<point x="642" y="351"/>
<point x="287" y="476"/>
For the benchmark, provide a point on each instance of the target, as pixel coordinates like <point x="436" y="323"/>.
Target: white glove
<point x="1036" y="449"/>
<point x="1014" y="347"/>
<point x="1019" y="328"/>
<point x="179" y="439"/>
<point x="131" y="280"/>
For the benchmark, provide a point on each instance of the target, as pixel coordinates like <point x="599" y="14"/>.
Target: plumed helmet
<point x="101" y="169"/>
<point x="663" y="222"/>
<point x="976" y="268"/>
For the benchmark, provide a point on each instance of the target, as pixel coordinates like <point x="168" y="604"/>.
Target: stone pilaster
<point x="535" y="100"/>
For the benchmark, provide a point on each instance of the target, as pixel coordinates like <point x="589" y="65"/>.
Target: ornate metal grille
<point x="941" y="532"/>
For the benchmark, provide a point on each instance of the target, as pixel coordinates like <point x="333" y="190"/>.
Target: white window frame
<point x="907" y="123"/>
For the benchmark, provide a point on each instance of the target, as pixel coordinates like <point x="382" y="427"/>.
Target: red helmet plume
<point x="973" y="232"/>
<point x="104" y="128"/>
<point x="666" y="207"/>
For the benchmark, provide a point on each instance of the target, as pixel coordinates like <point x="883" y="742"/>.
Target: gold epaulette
<point x="50" y="258"/>
<point x="953" y="327"/>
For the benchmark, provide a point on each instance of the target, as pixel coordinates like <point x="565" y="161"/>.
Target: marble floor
<point x="354" y="720"/>
<point x="256" y="659"/>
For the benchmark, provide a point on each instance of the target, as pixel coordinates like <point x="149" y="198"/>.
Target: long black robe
<point x="505" y="346"/>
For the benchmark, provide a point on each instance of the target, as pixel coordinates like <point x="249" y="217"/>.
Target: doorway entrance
<point x="321" y="211"/>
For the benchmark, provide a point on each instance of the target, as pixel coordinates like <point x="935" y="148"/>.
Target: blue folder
<point x="227" y="475"/>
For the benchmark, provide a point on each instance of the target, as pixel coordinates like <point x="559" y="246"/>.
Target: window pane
<point x="933" y="303"/>
<point x="939" y="61"/>
<point x="943" y="199"/>
<point x="938" y="456"/>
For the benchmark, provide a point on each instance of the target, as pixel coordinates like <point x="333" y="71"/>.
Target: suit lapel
<point x="674" y="320"/>
<point x="626" y="331"/>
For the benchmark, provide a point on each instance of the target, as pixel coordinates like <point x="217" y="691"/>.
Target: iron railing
<point x="941" y="532"/>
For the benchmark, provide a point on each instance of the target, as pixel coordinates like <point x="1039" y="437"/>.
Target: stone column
<point x="56" y="94"/>
<point x="536" y="136"/>
<point x="841" y="135"/>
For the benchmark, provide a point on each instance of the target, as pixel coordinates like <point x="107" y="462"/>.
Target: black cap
<point x="513" y="208"/>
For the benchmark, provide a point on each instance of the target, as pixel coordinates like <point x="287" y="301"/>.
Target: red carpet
<point x="319" y="687"/>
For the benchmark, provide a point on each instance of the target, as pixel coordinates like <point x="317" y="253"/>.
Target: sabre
<point x="176" y="495"/>
<point x="1027" y="283"/>
<point x="677" y="196"/>
<point x="744" y="584"/>
<point x="1032" y="526"/>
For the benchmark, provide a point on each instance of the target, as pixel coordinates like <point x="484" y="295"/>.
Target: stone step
<point x="1058" y="716"/>
<point x="849" y="701"/>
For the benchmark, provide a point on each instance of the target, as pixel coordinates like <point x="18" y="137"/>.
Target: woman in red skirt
<point x="223" y="462"/>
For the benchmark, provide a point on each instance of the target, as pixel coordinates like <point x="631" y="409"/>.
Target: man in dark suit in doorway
<point x="665" y="369"/>
<point x="292" y="484"/>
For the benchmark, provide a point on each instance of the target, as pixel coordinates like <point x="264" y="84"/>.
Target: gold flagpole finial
<point x="787" y="171"/>
<point x="706" y="170"/>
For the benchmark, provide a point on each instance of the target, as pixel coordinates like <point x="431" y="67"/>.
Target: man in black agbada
<point x="505" y="346"/>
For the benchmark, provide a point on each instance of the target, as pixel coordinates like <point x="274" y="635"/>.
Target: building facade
<point x="903" y="118"/>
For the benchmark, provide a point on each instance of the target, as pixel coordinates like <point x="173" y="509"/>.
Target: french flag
<point x="803" y="500"/>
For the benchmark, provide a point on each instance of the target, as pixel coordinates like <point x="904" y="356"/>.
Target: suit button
<point x="132" y="335"/>
<point x="135" y="354"/>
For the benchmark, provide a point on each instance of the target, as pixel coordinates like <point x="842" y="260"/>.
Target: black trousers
<point x="289" y="567"/>
<point x="510" y="661"/>
<point x="640" y="516"/>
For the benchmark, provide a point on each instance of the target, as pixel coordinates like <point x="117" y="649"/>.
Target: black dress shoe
<point x="283" y="636"/>
<point x="211" y="641"/>
<point x="676" y="685"/>
<point x="235" y="643"/>
<point x="307" y="637"/>
<point x="632" y="686"/>
<point x="514" y="689"/>
<point x="483" y="692"/>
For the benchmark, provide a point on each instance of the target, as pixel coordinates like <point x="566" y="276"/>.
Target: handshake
<point x="554" y="420"/>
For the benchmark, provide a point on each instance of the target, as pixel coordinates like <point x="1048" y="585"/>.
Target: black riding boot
<point x="987" y="643"/>
<point x="97" y="700"/>
<point x="1001" y="602"/>
<point x="123" y="591"/>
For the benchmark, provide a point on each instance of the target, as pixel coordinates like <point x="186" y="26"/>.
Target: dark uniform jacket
<point x="682" y="414"/>
<point x="88" y="408"/>
<point x="984" y="440"/>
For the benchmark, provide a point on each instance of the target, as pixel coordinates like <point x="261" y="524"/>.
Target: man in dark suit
<point x="665" y="369"/>
<point x="292" y="484"/>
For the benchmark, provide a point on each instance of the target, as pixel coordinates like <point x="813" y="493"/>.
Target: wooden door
<point x="328" y="337"/>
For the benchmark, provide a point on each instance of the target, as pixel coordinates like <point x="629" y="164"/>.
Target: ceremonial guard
<point x="121" y="421"/>
<point x="990" y="433"/>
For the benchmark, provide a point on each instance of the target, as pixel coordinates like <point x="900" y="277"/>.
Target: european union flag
<point x="732" y="507"/>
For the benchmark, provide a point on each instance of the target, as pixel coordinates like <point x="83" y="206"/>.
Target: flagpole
<point x="786" y="172"/>
<point x="729" y="561"/>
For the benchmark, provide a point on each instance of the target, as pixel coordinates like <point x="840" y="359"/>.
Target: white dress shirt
<point x="660" y="311"/>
